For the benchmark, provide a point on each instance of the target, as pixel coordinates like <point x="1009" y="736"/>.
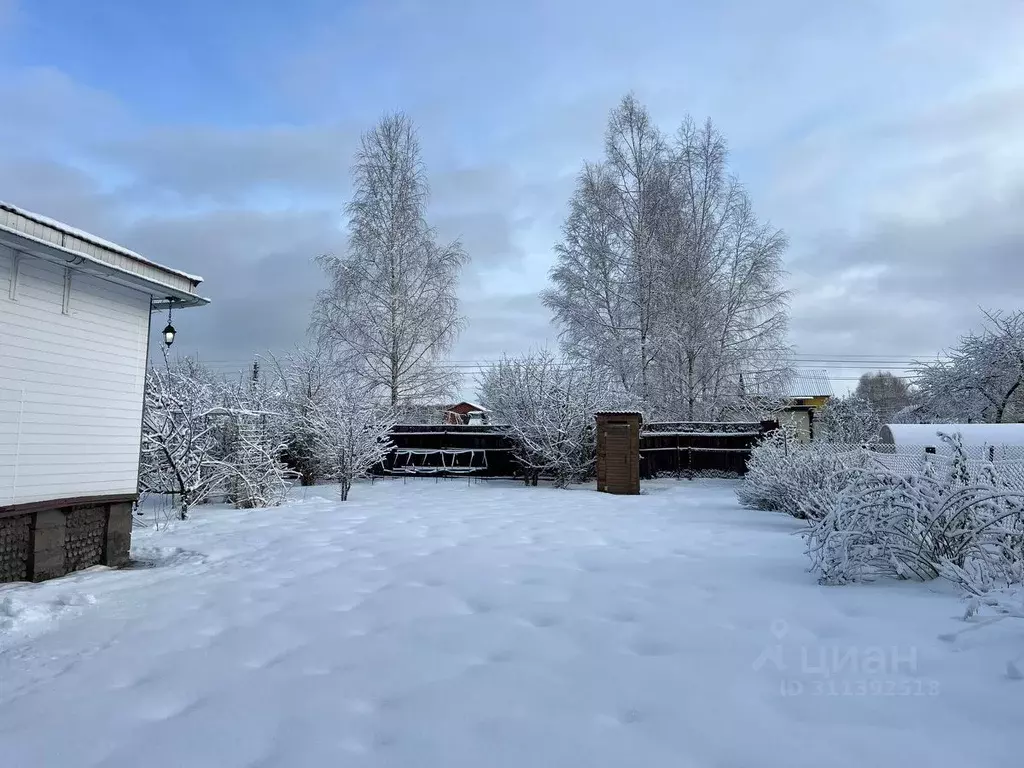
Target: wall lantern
<point x="169" y="330"/>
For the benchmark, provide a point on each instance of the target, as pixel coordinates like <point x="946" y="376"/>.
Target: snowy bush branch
<point x="850" y="420"/>
<point x="257" y="474"/>
<point x="547" y="408"/>
<point x="962" y="521"/>
<point x="303" y="382"/>
<point x="784" y="475"/>
<point x="182" y="434"/>
<point x="350" y="433"/>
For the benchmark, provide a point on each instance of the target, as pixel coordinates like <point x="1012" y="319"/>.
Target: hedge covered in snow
<point x="783" y="474"/>
<point x="869" y="517"/>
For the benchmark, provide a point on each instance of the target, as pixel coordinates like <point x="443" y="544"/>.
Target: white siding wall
<point x="71" y="385"/>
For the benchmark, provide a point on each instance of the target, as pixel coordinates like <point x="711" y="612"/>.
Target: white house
<point x="74" y="334"/>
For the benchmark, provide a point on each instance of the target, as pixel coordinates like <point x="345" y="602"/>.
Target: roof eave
<point x="65" y="231"/>
<point x="164" y="295"/>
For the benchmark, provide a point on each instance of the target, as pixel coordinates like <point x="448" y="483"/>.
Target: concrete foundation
<point x="43" y="541"/>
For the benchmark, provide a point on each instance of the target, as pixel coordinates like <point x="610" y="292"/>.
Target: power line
<point x="801" y="364"/>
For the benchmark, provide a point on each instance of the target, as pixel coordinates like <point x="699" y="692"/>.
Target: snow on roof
<point x="970" y="434"/>
<point x="99" y="242"/>
<point x="811" y="383"/>
<point x="474" y="406"/>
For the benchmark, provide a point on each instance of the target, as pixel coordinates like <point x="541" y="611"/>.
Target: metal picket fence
<point x="1006" y="460"/>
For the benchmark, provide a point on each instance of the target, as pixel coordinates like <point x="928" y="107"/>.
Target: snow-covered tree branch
<point x="983" y="378"/>
<point x="350" y="433"/>
<point x="547" y="407"/>
<point x="256" y="472"/>
<point x="887" y="393"/>
<point x="849" y="420"/>
<point x="304" y="380"/>
<point x="182" y="433"/>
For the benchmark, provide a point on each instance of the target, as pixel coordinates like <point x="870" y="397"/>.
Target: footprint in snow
<point x="630" y="716"/>
<point x="476" y="605"/>
<point x="624" y="616"/>
<point x="653" y="647"/>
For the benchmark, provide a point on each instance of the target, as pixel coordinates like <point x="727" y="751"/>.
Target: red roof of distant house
<point x="465" y="407"/>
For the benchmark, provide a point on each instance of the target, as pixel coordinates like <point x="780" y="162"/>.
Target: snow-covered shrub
<point x="257" y="474"/>
<point x="783" y="474"/>
<point x="303" y="382"/>
<point x="547" y="408"/>
<point x="350" y="433"/>
<point x="960" y="520"/>
<point x="183" y="428"/>
<point x="850" y="420"/>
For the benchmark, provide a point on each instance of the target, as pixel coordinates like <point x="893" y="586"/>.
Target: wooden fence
<point x="449" y="450"/>
<point x="684" y="448"/>
<point x="666" y="448"/>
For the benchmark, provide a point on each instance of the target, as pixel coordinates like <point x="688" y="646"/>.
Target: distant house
<point x="74" y="341"/>
<point x="465" y="413"/>
<point x="459" y="413"/>
<point x="807" y="392"/>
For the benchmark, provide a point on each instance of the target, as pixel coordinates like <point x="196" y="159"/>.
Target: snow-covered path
<point x="448" y="624"/>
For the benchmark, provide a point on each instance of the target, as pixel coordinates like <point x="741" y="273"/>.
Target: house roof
<point x="809" y="383"/>
<point x="51" y="239"/>
<point x="474" y="406"/>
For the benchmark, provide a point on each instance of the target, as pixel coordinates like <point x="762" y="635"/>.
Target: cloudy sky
<point x="885" y="136"/>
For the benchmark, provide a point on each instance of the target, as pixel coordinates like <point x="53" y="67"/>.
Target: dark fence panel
<point x="699" y="447"/>
<point x="449" y="450"/>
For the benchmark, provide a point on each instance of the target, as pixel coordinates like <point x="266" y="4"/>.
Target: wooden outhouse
<point x="618" y="451"/>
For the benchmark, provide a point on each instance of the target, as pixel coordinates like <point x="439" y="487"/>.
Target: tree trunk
<point x="644" y="394"/>
<point x="691" y="401"/>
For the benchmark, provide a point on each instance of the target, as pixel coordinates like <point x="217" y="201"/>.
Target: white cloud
<point x="886" y="138"/>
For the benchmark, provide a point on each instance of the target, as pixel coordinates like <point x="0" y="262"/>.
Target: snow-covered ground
<point x="454" y="624"/>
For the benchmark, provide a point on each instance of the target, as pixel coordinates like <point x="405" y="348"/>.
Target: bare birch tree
<point x="725" y="312"/>
<point x="390" y="313"/>
<point x="665" y="279"/>
<point x="606" y="281"/>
